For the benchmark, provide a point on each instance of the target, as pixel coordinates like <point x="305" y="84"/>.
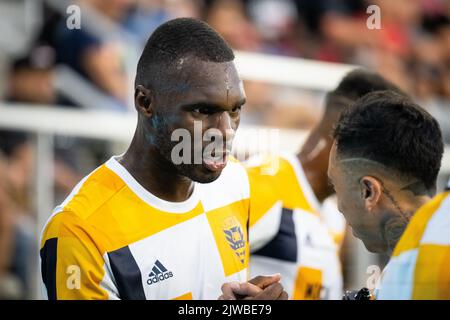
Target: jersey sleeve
<point x="271" y="186"/>
<point x="418" y="268"/>
<point x="432" y="273"/>
<point x="72" y="265"/>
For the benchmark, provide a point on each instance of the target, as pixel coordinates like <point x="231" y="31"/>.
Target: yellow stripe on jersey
<point x="266" y="190"/>
<point x="106" y="191"/>
<point x="308" y="284"/>
<point x="338" y="238"/>
<point x="432" y="273"/>
<point x="187" y="296"/>
<point x="419" y="266"/>
<point x="78" y="274"/>
<point x="112" y="239"/>
<point x="416" y="227"/>
<point x="224" y="222"/>
<point x="141" y="220"/>
<point x="287" y="232"/>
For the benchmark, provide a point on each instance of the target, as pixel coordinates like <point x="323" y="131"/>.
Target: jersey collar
<point x="147" y="196"/>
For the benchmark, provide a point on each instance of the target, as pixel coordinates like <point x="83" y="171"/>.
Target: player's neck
<point x="392" y="232"/>
<point x="314" y="160"/>
<point x="396" y="224"/>
<point x="154" y="173"/>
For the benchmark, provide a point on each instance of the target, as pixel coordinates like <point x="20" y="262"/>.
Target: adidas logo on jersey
<point x="159" y="273"/>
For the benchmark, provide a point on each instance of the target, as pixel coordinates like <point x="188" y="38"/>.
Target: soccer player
<point x="292" y="230"/>
<point x="146" y="225"/>
<point x="384" y="164"/>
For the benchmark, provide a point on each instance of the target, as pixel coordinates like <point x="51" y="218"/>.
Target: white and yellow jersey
<point x="112" y="239"/>
<point x="289" y="234"/>
<point x="420" y="265"/>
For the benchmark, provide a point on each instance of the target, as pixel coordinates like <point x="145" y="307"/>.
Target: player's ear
<point x="143" y="101"/>
<point x="371" y="190"/>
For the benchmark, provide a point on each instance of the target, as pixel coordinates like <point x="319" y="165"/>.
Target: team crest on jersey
<point x="235" y="237"/>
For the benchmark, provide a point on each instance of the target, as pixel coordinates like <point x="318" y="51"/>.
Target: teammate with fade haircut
<point x="143" y="225"/>
<point x="294" y="229"/>
<point x="384" y="164"/>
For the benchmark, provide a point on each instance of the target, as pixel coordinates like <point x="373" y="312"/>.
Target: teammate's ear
<point x="371" y="190"/>
<point x="143" y="101"/>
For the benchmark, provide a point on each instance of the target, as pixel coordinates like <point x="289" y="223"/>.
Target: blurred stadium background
<point x="66" y="95"/>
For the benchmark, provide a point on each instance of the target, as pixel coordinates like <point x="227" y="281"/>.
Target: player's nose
<point x="226" y="126"/>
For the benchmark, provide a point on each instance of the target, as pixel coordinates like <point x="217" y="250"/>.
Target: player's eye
<point x="203" y="110"/>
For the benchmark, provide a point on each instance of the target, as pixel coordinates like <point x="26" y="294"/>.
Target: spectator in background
<point x="17" y="242"/>
<point x="280" y="30"/>
<point x="93" y="52"/>
<point x="346" y="37"/>
<point x="431" y="57"/>
<point x="147" y="15"/>
<point x="17" y="220"/>
<point x="410" y="49"/>
<point x="31" y="78"/>
<point x="230" y="19"/>
<point x="9" y="285"/>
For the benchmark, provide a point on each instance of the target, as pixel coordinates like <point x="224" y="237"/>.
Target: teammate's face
<point x="196" y="123"/>
<point x="351" y="202"/>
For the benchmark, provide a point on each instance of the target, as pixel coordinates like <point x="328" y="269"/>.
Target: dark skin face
<point x="208" y="93"/>
<point x="315" y="152"/>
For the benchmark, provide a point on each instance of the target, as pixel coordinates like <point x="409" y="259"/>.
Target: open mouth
<point x="216" y="162"/>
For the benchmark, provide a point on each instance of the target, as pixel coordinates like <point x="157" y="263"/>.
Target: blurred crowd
<point x="412" y="48"/>
<point x="93" y="67"/>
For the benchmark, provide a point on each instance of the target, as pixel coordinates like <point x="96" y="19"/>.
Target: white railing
<point x="47" y="121"/>
<point x="295" y="72"/>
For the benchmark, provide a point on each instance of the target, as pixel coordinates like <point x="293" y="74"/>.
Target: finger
<point x="272" y="292"/>
<point x="284" y="296"/>
<point x="265" y="281"/>
<point x="224" y="297"/>
<point x="247" y="289"/>
<point x="228" y="290"/>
